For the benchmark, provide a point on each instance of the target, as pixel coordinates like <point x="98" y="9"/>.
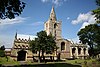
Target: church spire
<point x="52" y="14"/>
<point x="16" y="35"/>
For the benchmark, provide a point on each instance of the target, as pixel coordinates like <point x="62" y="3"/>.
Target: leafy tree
<point x="2" y="47"/>
<point x="90" y="35"/>
<point x="42" y="41"/>
<point x="51" y="44"/>
<point x="96" y="12"/>
<point x="2" y="52"/>
<point x="11" y="8"/>
<point x="42" y="44"/>
<point x="35" y="46"/>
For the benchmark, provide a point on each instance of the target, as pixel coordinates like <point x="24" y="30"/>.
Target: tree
<point x="98" y="2"/>
<point x="90" y="35"/>
<point x="43" y="43"/>
<point x="2" y="52"/>
<point x="35" y="46"/>
<point x="11" y="8"/>
<point x="96" y="12"/>
<point x="51" y="44"/>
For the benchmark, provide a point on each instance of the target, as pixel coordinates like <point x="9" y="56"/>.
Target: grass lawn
<point x="48" y="65"/>
<point x="85" y="63"/>
<point x="79" y="61"/>
<point x="3" y="60"/>
<point x="13" y="63"/>
<point x="67" y="63"/>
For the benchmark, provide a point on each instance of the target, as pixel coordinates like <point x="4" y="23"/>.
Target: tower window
<point x="55" y="25"/>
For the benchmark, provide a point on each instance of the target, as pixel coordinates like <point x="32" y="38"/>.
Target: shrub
<point x="2" y="53"/>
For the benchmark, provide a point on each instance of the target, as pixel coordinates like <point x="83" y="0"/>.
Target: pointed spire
<point x="52" y="14"/>
<point x="16" y="35"/>
<point x="52" y="10"/>
<point x="29" y="38"/>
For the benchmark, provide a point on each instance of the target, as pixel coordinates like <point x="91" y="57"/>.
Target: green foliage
<point x="96" y="12"/>
<point x="43" y="43"/>
<point x="50" y="44"/>
<point x="2" y="52"/>
<point x="33" y="45"/>
<point x="2" y="47"/>
<point x="98" y="2"/>
<point x="90" y="35"/>
<point x="4" y="61"/>
<point x="11" y="8"/>
<point x="42" y="40"/>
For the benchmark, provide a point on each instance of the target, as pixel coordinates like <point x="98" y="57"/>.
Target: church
<point x="20" y="50"/>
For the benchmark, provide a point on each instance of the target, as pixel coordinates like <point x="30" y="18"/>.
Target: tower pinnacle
<point x="16" y="35"/>
<point x="52" y="14"/>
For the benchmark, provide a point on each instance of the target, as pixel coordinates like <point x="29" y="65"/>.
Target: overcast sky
<point x="74" y="14"/>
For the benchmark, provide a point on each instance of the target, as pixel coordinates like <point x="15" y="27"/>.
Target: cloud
<point x="86" y="19"/>
<point x="37" y="23"/>
<point x="68" y="18"/>
<point x="44" y="1"/>
<point x="74" y="40"/>
<point x="12" y="21"/>
<point x="6" y="40"/>
<point x="55" y="2"/>
<point x="84" y="24"/>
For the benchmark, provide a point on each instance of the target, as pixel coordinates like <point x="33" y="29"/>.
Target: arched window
<point x="62" y="46"/>
<point x="73" y="50"/>
<point x="84" y="51"/>
<point x="79" y="50"/>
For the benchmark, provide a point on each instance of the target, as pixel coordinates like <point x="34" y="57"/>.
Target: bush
<point x="2" y="53"/>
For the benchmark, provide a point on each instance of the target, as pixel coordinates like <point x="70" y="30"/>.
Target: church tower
<point x="52" y="26"/>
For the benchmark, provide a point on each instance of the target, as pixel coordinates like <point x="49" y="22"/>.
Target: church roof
<point x="27" y="37"/>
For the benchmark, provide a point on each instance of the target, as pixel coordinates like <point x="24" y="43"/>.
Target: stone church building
<point x="20" y="50"/>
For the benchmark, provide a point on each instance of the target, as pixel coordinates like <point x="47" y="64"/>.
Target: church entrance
<point x="21" y="55"/>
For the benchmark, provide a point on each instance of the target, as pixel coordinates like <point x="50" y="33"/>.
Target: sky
<point x="74" y="14"/>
